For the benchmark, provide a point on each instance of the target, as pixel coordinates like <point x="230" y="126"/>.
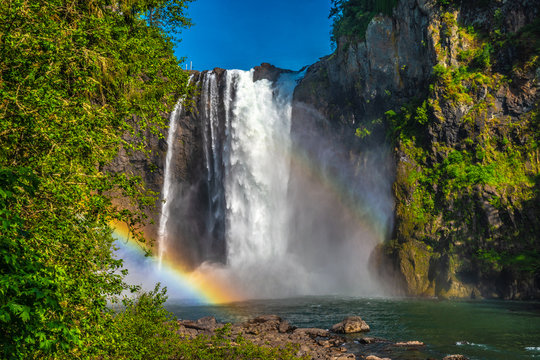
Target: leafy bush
<point x="482" y="59"/>
<point x="143" y="329"/>
<point x="76" y="79"/>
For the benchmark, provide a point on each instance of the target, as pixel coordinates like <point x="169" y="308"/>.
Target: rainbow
<point x="195" y="287"/>
<point x="207" y="287"/>
<point x="372" y="221"/>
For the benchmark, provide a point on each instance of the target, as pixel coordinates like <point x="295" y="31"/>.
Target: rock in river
<point x="351" y="324"/>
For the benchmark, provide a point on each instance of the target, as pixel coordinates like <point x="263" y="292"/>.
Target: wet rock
<point x="351" y="324"/>
<point x="285" y="327"/>
<point x="373" y="357"/>
<point x="313" y="332"/>
<point x="208" y="323"/>
<point x="324" y="343"/>
<point x="187" y="332"/>
<point x="273" y="331"/>
<point x="370" y="340"/>
<point x="455" y="357"/>
<point x="344" y="357"/>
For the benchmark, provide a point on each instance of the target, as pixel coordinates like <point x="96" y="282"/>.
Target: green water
<point x="477" y="329"/>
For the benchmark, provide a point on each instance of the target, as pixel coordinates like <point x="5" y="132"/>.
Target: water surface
<point x="477" y="329"/>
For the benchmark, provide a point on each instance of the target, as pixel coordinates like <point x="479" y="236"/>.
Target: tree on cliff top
<point x="352" y="17"/>
<point x="76" y="76"/>
<point x="167" y="15"/>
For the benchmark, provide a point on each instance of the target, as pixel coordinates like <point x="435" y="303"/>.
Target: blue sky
<point x="240" y="34"/>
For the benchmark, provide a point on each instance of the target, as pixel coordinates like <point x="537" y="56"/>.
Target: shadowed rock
<point x="268" y="71"/>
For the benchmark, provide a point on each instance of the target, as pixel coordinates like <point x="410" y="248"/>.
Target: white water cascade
<point x="258" y="171"/>
<point x="167" y="189"/>
<point x="166" y="192"/>
<point x="278" y="223"/>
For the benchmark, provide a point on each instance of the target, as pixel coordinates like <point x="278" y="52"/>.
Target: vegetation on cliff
<point x="468" y="176"/>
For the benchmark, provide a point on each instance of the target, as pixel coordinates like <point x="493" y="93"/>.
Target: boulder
<point x="455" y="357"/>
<point x="351" y="324"/>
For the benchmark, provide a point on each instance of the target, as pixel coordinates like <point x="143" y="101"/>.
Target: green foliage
<point x="221" y="346"/>
<point x="142" y="329"/>
<point x="363" y="132"/>
<point x="166" y="15"/>
<point x="482" y="58"/>
<point x="449" y="20"/>
<point x="437" y="197"/>
<point x="78" y="79"/>
<point x="409" y="124"/>
<point x="421" y="116"/>
<point x="444" y="2"/>
<point x="352" y="17"/>
<point x="457" y="83"/>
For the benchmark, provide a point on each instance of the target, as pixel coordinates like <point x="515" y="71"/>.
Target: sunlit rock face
<point x="391" y="67"/>
<point x="363" y="79"/>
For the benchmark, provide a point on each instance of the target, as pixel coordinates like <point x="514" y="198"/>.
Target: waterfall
<point x="168" y="181"/>
<point x="258" y="170"/>
<point x="213" y="139"/>
<point x="276" y="222"/>
<point x="166" y="192"/>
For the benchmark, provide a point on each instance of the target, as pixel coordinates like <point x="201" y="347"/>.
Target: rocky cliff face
<point x="188" y="170"/>
<point x="452" y="90"/>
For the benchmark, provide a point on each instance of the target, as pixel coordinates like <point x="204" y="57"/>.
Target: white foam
<point x="467" y="343"/>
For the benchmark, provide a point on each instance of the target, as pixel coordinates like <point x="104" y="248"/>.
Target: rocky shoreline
<point x="344" y="340"/>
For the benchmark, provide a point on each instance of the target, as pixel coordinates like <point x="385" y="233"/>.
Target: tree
<point x="76" y="76"/>
<point x="351" y="17"/>
<point x="167" y="15"/>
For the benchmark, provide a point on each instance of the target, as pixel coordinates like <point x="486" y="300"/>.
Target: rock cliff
<point x="452" y="90"/>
